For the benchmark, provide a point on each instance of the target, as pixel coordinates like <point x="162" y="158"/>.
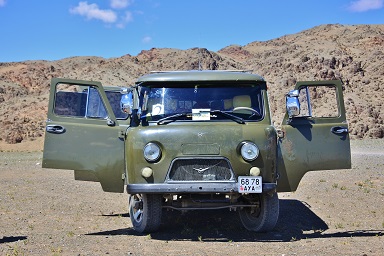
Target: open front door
<point x="83" y="134"/>
<point x="316" y="138"/>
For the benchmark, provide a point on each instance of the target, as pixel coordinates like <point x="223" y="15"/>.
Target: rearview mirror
<point x="292" y="103"/>
<point x="126" y="103"/>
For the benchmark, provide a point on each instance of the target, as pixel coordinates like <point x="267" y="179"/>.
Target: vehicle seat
<point x="228" y="104"/>
<point x="201" y="104"/>
<point x="242" y="101"/>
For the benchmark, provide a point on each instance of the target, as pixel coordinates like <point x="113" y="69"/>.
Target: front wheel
<point x="145" y="212"/>
<point x="264" y="217"/>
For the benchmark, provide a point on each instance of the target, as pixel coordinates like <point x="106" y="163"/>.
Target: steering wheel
<point x="246" y="108"/>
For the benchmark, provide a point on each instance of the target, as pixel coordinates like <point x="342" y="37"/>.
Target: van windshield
<point x="201" y="102"/>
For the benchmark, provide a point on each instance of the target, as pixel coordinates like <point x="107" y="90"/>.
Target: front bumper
<point x="195" y="187"/>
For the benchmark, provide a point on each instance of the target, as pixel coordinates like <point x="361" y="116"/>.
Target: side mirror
<point x="126" y="102"/>
<point x="292" y="103"/>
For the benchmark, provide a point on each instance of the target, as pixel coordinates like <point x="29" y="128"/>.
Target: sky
<point x="57" y="29"/>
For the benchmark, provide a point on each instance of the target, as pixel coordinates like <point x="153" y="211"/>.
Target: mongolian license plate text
<point x="250" y="184"/>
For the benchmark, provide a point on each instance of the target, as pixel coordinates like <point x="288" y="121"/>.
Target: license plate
<point x="250" y="184"/>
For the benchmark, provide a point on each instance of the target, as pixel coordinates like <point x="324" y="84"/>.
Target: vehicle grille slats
<point x="201" y="169"/>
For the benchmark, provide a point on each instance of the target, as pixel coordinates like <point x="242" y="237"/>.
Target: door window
<point x="85" y="102"/>
<point x="318" y="101"/>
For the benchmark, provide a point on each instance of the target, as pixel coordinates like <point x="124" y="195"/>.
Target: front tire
<point x="145" y="212"/>
<point x="263" y="218"/>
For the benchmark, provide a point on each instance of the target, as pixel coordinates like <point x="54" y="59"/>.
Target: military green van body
<point x="170" y="152"/>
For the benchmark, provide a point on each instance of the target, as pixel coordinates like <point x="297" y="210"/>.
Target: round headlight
<point x="249" y="151"/>
<point x="152" y="152"/>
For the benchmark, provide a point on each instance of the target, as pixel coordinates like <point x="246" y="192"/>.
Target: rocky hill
<point x="353" y="54"/>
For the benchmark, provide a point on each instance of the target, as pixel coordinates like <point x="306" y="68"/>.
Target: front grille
<point x="200" y="169"/>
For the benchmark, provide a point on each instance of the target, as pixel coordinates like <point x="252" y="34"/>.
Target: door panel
<point x="316" y="139"/>
<point x="82" y="134"/>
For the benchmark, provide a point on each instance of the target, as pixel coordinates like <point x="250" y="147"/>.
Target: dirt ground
<point x="47" y="212"/>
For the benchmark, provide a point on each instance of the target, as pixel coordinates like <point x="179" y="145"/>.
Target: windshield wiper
<point x="172" y="118"/>
<point x="232" y="117"/>
<point x="169" y="119"/>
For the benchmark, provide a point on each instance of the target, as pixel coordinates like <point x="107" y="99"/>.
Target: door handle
<point x="56" y="129"/>
<point x="339" y="130"/>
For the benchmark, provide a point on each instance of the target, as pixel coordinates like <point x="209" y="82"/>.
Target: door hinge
<point x="280" y="133"/>
<point x="122" y="134"/>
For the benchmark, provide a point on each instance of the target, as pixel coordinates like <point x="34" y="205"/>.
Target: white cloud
<point x="365" y="5"/>
<point x="146" y="39"/>
<point x="2" y="3"/>
<point x="128" y="17"/>
<point x="120" y="4"/>
<point x="92" y="11"/>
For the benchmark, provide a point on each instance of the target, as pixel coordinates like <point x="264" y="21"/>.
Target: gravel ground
<point x="47" y="212"/>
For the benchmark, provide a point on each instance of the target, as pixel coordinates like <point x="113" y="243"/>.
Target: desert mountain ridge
<point x="353" y="54"/>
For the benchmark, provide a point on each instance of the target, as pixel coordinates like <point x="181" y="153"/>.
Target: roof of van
<point x="197" y="75"/>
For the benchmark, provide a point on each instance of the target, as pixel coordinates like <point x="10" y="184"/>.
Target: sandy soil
<point x="47" y="212"/>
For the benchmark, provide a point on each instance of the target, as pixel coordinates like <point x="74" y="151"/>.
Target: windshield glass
<point x="201" y="102"/>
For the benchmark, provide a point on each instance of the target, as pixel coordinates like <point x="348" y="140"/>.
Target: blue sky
<point x="55" y="29"/>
